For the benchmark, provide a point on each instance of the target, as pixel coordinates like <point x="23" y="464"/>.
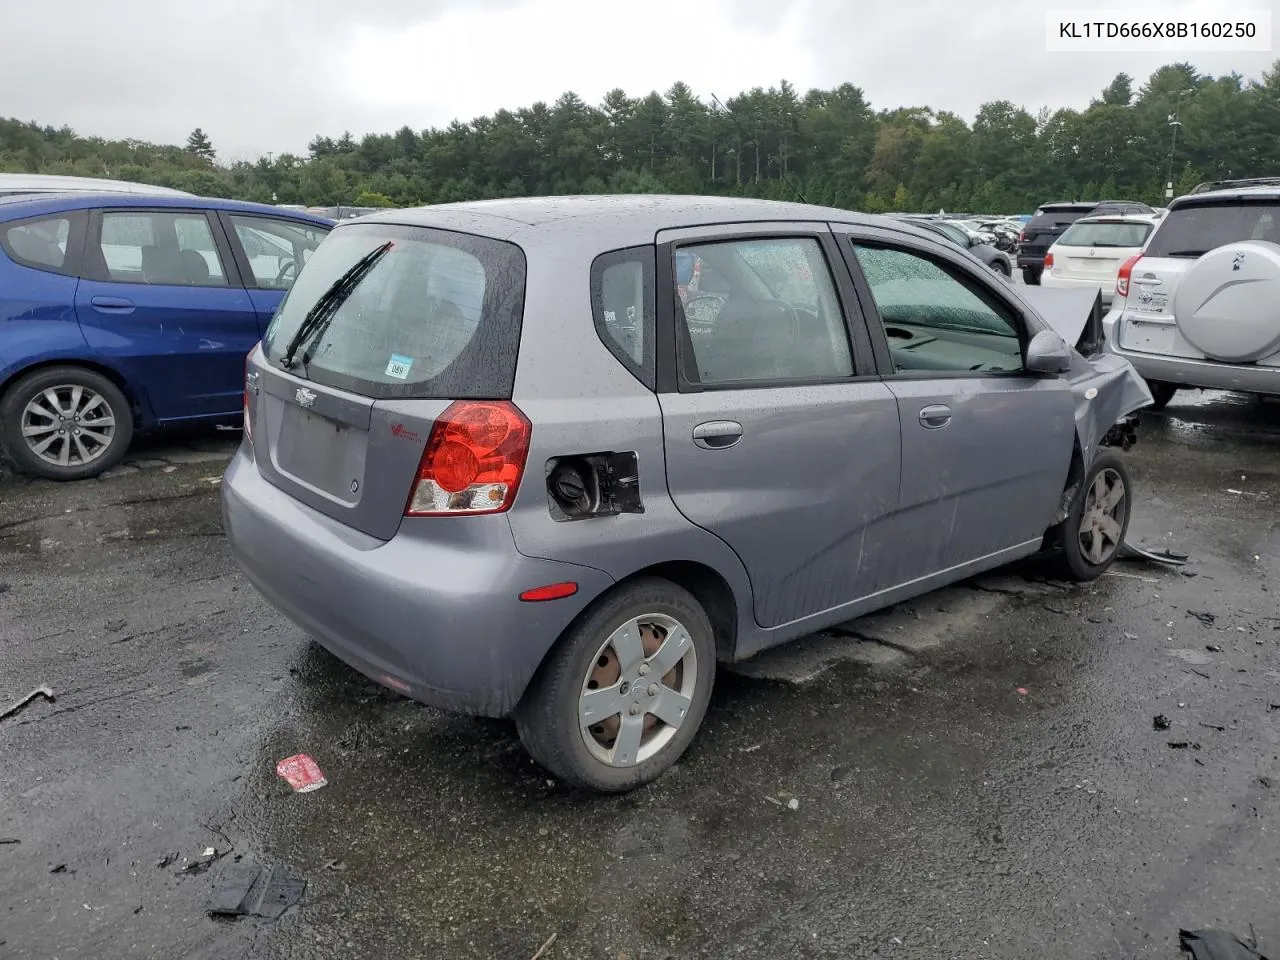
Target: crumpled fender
<point x="1106" y="387"/>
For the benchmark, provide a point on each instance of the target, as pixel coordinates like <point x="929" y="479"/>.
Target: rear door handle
<point x="935" y="416"/>
<point x="717" y="434"/>
<point x="112" y="304"/>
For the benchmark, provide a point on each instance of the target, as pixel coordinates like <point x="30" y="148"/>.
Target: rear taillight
<point x="1122" y="278"/>
<point x="248" y="420"/>
<point x="1048" y="261"/>
<point x="473" y="462"/>
<point x="1022" y="236"/>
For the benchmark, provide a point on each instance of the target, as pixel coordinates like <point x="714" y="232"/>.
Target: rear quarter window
<point x="45" y="243"/>
<point x="438" y="316"/>
<point x="623" y="307"/>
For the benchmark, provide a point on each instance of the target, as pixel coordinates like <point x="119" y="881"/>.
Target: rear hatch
<point x="1187" y="232"/>
<point x="1047" y="225"/>
<point x="434" y="318"/>
<point x="1094" y="249"/>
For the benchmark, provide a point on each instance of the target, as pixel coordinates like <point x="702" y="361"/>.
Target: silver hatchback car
<point x="558" y="458"/>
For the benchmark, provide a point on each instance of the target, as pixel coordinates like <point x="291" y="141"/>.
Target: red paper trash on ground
<point x="302" y="773"/>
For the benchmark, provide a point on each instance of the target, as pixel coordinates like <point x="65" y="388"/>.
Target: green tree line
<point x="825" y="146"/>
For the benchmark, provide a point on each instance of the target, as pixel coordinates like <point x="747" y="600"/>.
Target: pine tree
<point x="200" y="144"/>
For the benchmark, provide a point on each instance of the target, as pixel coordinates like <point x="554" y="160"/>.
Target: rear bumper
<point x="1107" y="287"/>
<point x="1184" y="372"/>
<point x="436" y="619"/>
<point x="1027" y="261"/>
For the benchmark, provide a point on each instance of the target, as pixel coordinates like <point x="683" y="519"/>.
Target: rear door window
<point x="765" y="310"/>
<point x="1195" y="229"/>
<point x="437" y="316"/>
<point x="173" y="248"/>
<point x="1106" y="235"/>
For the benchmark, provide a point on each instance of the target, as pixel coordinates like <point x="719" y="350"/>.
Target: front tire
<point x="1089" y="538"/>
<point x="1002" y="267"/>
<point x="621" y="696"/>
<point x="65" y="423"/>
<point x="1161" y="393"/>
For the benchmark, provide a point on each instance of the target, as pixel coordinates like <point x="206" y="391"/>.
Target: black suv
<point x="1052" y="219"/>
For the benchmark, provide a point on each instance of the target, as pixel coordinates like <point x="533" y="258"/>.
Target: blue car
<point x="120" y="313"/>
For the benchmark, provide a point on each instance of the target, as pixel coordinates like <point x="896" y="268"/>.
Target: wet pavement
<point x="977" y="771"/>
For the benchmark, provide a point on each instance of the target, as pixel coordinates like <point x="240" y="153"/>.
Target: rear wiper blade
<point x="331" y="299"/>
<point x="1186" y="253"/>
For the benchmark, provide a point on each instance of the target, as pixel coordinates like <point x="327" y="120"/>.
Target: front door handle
<point x="935" y="416"/>
<point x="112" y="304"/>
<point x="717" y="434"/>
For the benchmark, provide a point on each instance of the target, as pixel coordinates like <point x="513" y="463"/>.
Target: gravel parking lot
<point x="977" y="772"/>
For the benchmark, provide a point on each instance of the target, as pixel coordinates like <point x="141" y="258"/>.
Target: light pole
<point x="1175" y="123"/>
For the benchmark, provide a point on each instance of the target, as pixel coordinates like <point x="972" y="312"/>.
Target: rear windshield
<point x="437" y="316"/>
<point x="1056" y="219"/>
<point x="1105" y="235"/>
<point x="1194" y="230"/>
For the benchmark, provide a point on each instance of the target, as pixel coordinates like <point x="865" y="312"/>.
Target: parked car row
<point x="1052" y="219"/>
<point x="981" y="245"/>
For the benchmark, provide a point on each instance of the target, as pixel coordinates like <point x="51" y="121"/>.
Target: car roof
<point x="1255" y="192"/>
<point x="59" y="183"/>
<point x="610" y="221"/>
<point x="1120" y="218"/>
<point x="32" y="205"/>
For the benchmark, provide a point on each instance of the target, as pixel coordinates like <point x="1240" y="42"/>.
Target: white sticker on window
<point x="398" y="366"/>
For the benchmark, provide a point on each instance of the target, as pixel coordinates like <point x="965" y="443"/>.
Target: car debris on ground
<point x="22" y="704"/>
<point x="1217" y="945"/>
<point x="248" y="890"/>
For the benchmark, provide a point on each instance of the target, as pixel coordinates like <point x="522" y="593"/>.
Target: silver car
<point x="1196" y="307"/>
<point x="498" y="459"/>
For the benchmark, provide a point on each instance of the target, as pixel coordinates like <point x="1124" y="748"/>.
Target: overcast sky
<point x="267" y="75"/>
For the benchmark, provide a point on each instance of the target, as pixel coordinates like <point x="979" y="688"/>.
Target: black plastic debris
<point x="204" y="862"/>
<point x="1216" y="945"/>
<point x="1160" y="722"/>
<point x="1183" y="745"/>
<point x="1204" y="616"/>
<point x="1213" y="648"/>
<point x="4" y="841"/>
<point x="247" y="890"/>
<point x="1172" y="558"/>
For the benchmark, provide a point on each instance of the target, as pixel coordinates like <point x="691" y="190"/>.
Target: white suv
<point x="1200" y="305"/>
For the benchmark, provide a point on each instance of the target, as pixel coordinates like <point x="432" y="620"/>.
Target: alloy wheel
<point x="638" y="690"/>
<point x="68" y="425"/>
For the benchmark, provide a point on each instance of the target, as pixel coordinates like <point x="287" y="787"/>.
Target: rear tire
<point x="1002" y="267"/>
<point x="1161" y="393"/>
<point x="591" y="715"/>
<point x="93" y="415"/>
<point x="1089" y="539"/>
<point x="1031" y="276"/>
